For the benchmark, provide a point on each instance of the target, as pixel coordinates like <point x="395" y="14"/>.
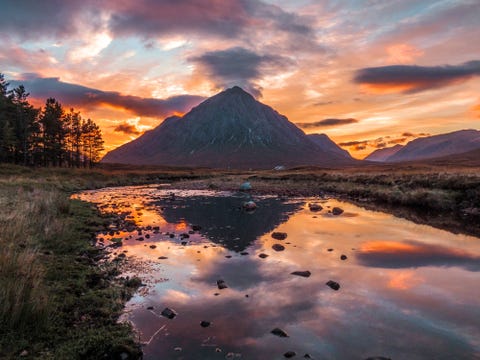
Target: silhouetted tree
<point x="48" y="136"/>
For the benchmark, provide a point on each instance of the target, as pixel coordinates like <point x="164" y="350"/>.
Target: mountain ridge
<point x="228" y="130"/>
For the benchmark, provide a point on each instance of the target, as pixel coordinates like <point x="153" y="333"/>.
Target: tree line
<point x="47" y="136"/>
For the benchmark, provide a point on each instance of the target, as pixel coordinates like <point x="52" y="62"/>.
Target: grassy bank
<point x="56" y="301"/>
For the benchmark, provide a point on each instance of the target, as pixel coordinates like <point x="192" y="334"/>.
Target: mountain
<point x="438" y="146"/>
<point x="381" y="155"/>
<point x="470" y="158"/>
<point x="228" y="130"/>
<point x="325" y="143"/>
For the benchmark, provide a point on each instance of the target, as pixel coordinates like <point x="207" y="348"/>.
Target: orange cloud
<point x="476" y="110"/>
<point x="403" y="53"/>
<point x="404" y="280"/>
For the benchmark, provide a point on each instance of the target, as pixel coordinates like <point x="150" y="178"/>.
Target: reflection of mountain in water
<point x="222" y="219"/>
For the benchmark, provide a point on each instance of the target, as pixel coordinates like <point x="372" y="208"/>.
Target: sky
<point x="369" y="74"/>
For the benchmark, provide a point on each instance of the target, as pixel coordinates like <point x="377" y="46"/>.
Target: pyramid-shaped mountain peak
<point x="228" y="130"/>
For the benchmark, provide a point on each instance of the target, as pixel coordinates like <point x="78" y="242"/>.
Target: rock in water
<point x="279" y="235"/>
<point x="343" y="257"/>
<point x="263" y="256"/>
<point x="337" y="211"/>
<point x="333" y="285"/>
<point x="315" y="207"/>
<point x="205" y="324"/>
<point x="249" y="205"/>
<point x="278" y="247"/>
<point x="169" y="313"/>
<point x="221" y="284"/>
<point x="302" y="273"/>
<point x="279" y="332"/>
<point x="290" y="354"/>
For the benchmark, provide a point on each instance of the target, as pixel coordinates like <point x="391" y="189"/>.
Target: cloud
<point x="410" y="253"/>
<point x="148" y="18"/>
<point x="327" y="122"/>
<point x="239" y="66"/>
<point x="85" y="97"/>
<point x="50" y="18"/>
<point x="410" y="79"/>
<point x="381" y="142"/>
<point x="126" y="128"/>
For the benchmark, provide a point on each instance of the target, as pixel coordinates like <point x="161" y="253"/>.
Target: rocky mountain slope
<point x="228" y="130"/>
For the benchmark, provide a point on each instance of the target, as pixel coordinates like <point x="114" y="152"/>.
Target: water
<point x="407" y="291"/>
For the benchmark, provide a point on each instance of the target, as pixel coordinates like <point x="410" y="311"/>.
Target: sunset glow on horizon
<point x="369" y="74"/>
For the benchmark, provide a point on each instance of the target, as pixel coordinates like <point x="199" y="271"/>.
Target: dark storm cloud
<point x="126" y="129"/>
<point x="417" y="78"/>
<point x="239" y="66"/>
<point x="147" y="18"/>
<point x="150" y="18"/>
<point x="327" y="122"/>
<point x="409" y="254"/>
<point x="77" y="95"/>
<point x="47" y="18"/>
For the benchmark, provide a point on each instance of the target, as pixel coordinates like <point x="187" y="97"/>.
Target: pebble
<point x="221" y="284"/>
<point x="279" y="235"/>
<point x="333" y="285"/>
<point x="279" y="332"/>
<point x="302" y="273"/>
<point x="169" y="313"/>
<point x="278" y="247"/>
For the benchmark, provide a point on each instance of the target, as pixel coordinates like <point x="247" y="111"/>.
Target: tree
<point x="53" y="132"/>
<point x="26" y="125"/>
<point x="92" y="143"/>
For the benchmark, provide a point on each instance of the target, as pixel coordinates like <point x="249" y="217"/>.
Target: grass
<point x="56" y="302"/>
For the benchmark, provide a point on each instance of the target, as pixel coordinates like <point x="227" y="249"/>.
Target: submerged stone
<point x="205" y="324"/>
<point x="315" y="207"/>
<point x="290" y="354"/>
<point x="249" y="205"/>
<point x="169" y="313"/>
<point x="221" y="284"/>
<point x="343" y="257"/>
<point x="333" y="285"/>
<point x="302" y="273"/>
<point x="337" y="211"/>
<point x="262" y="255"/>
<point x="278" y="247"/>
<point x="279" y="332"/>
<point x="279" y="235"/>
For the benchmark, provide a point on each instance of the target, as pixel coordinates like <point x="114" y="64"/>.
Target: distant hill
<point x="470" y="158"/>
<point x="325" y="143"/>
<point x="381" y="155"/>
<point x="228" y="130"/>
<point x="431" y="147"/>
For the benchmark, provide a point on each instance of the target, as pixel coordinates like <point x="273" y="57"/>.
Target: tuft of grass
<point x="56" y="301"/>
